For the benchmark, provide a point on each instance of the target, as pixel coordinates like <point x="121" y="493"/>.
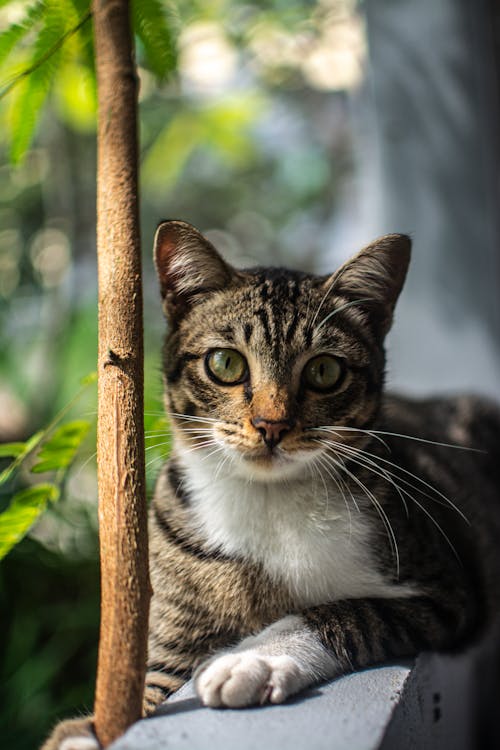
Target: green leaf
<point x="223" y="127"/>
<point x="14" y="33"/>
<point x="11" y="450"/>
<point x="32" y="92"/>
<point x="59" y="452"/>
<point x="89" y="379"/>
<point x="25" y="508"/>
<point x="29" y="445"/>
<point x="151" y="26"/>
<point x="76" y="96"/>
<point x="172" y="149"/>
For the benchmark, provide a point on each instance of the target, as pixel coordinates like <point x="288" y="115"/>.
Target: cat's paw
<point x="247" y="678"/>
<point x="73" y="734"/>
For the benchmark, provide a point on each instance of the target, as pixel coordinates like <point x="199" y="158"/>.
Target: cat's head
<point x="266" y="367"/>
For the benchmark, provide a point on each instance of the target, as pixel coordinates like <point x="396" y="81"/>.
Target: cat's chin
<point x="272" y="467"/>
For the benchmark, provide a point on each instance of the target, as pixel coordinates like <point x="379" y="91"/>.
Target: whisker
<point x="342" y="307"/>
<point x="422" y="481"/>
<point x="326" y="491"/>
<point x="333" y="474"/>
<point x="84" y="464"/>
<point x="218" y="448"/>
<point x="189" y="418"/>
<point x="376" y="433"/>
<point x="378" y="507"/>
<point x="220" y="465"/>
<point x="198" y="446"/>
<point x="158" y="445"/>
<point x="386" y="474"/>
<point x="342" y="428"/>
<point x="328" y="290"/>
<point x="154" y="460"/>
<point x="350" y="450"/>
<point x="429" y="486"/>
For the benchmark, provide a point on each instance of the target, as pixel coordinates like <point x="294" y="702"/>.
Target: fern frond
<point x="154" y="30"/>
<point x="36" y="86"/>
<point x="16" y="31"/>
<point x="35" y="80"/>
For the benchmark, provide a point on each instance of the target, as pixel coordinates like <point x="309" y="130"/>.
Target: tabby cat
<point x="306" y="525"/>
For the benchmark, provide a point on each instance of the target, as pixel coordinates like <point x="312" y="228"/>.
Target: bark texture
<point x="125" y="588"/>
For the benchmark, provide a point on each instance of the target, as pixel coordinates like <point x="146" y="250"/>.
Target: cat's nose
<point x="272" y="432"/>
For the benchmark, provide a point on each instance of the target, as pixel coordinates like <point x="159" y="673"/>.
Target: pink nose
<point x="272" y="432"/>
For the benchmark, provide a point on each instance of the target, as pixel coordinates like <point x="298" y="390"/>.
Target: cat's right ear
<point x="187" y="265"/>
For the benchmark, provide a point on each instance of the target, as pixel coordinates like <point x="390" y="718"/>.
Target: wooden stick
<point x="125" y="587"/>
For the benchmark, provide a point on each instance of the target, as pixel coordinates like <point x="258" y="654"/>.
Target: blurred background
<point x="291" y="133"/>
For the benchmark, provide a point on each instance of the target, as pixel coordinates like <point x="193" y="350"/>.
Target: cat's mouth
<point x="270" y="460"/>
<point x="267" y="456"/>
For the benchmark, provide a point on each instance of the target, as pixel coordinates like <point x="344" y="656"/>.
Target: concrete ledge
<point x="350" y="713"/>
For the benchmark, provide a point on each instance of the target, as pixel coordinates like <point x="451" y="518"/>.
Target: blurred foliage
<point x="52" y="451"/>
<point x="245" y="132"/>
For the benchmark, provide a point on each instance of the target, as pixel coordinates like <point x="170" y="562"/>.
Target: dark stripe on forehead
<point x="292" y="327"/>
<point x="293" y="291"/>
<point x="348" y="321"/>
<point x="247" y="332"/>
<point x="227" y="333"/>
<point x="351" y="328"/>
<point x="261" y="313"/>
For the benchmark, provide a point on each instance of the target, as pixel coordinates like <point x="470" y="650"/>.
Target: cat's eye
<point x="226" y="366"/>
<point x="322" y="373"/>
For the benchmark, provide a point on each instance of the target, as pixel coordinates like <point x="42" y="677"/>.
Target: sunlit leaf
<point x="227" y="126"/>
<point x="89" y="379"/>
<point x="25" y="508"/>
<point x="58" y="452"/>
<point x="11" y="37"/>
<point x="224" y="127"/>
<point x="29" y="445"/>
<point x="172" y="149"/>
<point x="11" y="450"/>
<point x="76" y="96"/>
<point x="31" y="93"/>
<point x="152" y="26"/>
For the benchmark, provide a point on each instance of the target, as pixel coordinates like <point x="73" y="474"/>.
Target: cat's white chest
<point x="303" y="534"/>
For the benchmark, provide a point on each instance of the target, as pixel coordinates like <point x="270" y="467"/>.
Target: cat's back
<point x="453" y="444"/>
<point x="469" y="421"/>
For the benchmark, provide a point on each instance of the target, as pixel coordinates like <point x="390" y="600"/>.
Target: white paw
<point x="246" y="679"/>
<point x="79" y="743"/>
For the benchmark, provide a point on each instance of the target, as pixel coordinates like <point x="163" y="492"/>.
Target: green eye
<point x="226" y="366"/>
<point x="322" y="373"/>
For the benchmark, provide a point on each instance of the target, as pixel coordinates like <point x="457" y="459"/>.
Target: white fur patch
<point x="283" y="659"/>
<point x="79" y="743"/>
<point x="300" y="530"/>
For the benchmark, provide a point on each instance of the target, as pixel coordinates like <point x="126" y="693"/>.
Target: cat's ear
<point x="374" y="277"/>
<point x="188" y="266"/>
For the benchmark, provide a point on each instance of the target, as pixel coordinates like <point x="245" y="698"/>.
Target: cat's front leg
<point x="278" y="662"/>
<point x="73" y="734"/>
<point x="327" y="641"/>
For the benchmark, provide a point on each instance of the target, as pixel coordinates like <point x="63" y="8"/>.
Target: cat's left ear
<point x="188" y="266"/>
<point x="375" y="277"/>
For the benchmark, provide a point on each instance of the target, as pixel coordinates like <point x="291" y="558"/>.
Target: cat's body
<point x="306" y="524"/>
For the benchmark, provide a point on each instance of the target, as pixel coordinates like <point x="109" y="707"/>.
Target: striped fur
<point x="250" y="543"/>
<point x="357" y="537"/>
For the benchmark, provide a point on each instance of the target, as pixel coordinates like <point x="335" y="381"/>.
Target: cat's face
<point x="262" y="365"/>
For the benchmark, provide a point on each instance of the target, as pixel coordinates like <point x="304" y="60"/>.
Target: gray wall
<point x="428" y="166"/>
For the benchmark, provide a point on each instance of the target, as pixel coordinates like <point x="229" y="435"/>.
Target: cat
<point x="306" y="524"/>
